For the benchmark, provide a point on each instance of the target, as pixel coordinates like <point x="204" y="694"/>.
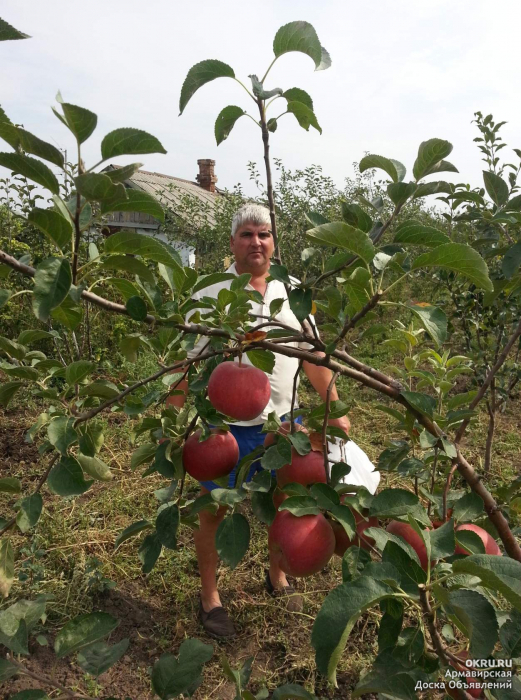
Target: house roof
<point x="171" y="191"/>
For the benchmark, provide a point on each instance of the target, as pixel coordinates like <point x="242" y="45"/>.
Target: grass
<point x="158" y="611"/>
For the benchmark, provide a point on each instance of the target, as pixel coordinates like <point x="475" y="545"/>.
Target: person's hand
<point x="342" y="423"/>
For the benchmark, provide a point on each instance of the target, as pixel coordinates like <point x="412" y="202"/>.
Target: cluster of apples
<point x="239" y="391"/>
<point x="303" y="544"/>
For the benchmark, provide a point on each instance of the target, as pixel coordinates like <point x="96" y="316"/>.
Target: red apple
<point x="212" y="458"/>
<point x="304" y="545"/>
<point x="342" y="540"/>
<point x="304" y="469"/>
<point x="284" y="429"/>
<point x="241" y="392"/>
<point x="489" y="542"/>
<point x="410" y="535"/>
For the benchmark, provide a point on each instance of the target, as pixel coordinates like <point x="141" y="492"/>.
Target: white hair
<point x="250" y="214"/>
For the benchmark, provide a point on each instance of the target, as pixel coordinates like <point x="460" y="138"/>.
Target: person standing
<point x="252" y="245"/>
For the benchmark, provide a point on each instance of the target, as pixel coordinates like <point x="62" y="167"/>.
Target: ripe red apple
<point x="342" y="540"/>
<point x="212" y="458"/>
<point x="284" y="429"/>
<point x="304" y="545"/>
<point x="241" y="392"/>
<point x="304" y="469"/>
<point x="410" y="535"/>
<point x="489" y="542"/>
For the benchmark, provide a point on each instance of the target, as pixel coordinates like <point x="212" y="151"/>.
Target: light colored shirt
<point x="281" y="379"/>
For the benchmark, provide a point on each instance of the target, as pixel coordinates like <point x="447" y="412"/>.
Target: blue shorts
<point x="248" y="438"/>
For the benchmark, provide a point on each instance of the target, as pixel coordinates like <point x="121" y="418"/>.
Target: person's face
<point x="252" y="247"/>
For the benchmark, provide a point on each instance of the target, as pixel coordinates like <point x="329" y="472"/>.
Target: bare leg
<point x="207" y="557"/>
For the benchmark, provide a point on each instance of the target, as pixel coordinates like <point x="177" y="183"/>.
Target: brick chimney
<point x="206" y="177"/>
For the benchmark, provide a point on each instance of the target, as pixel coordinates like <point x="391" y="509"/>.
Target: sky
<point x="402" y="72"/>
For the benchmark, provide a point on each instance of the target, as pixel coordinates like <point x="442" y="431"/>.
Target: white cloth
<point x="281" y="379"/>
<point x="363" y="472"/>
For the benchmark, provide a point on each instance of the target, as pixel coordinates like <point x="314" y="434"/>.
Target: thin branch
<point x="294" y="395"/>
<point x="269" y="180"/>
<point x="324" y="425"/>
<point x="351" y="323"/>
<point x="46" y="680"/>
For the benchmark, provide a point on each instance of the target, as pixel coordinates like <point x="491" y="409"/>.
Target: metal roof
<point x="171" y="191"/>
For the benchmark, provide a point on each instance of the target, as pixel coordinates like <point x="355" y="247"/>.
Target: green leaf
<point x="61" y="433"/>
<point x="199" y="75"/>
<point x="144" y="453"/>
<point x="354" y="215"/>
<point x="213" y="278"/>
<point x="32" y="169"/>
<point x="137" y="309"/>
<point x="280" y="273"/>
<point x="19" y="138"/>
<point x="52" y="282"/>
<point x="400" y="192"/>
<point x="397" y="503"/>
<point x="30" y="511"/>
<point x="477" y="620"/>
<point x="6" y="566"/>
<point x="337" y="616"/>
<point x="5" y="295"/>
<point x="262" y="359"/>
<point x="298" y="36"/>
<point x="511" y="261"/>
<point x="496" y="187"/>
<point x="226" y="121"/>
<point x="415" y="233"/>
<point x="131" y="531"/>
<point x="7" y="391"/>
<point x="467" y="508"/>
<point x="97" y="186"/>
<point x="341" y="235"/>
<point x="411" y="573"/>
<point x="30" y="695"/>
<point x="421" y="402"/>
<point x="167" y="523"/>
<point x="149" y="552"/>
<point x="9" y="33"/>
<point x="374" y="161"/>
<point x="99" y="657"/>
<point x="54" y="225"/>
<point x="291" y="690"/>
<point x="263" y="507"/>
<point x="390" y="682"/>
<point x="66" y="478"/>
<point x="443" y="541"/>
<point x="433" y="319"/>
<point x="7" y="669"/>
<point x="134" y="200"/>
<point x="429" y="155"/>
<point x="128" y="141"/>
<point x="501" y="574"/>
<point x="301" y="303"/>
<point x="79" y="120"/>
<point x="298" y="95"/>
<point x="68" y="313"/>
<point x="132" y="243"/>
<point x="300" y="505"/>
<point x="510" y="635"/>
<point x="77" y="371"/>
<point x="233" y="539"/>
<point x="102" y="389"/>
<point x="305" y="116"/>
<point x="122" y="173"/>
<point x="172" y="677"/>
<point x="459" y="258"/>
<point x="95" y="468"/>
<point x="10" y="485"/>
<point x="128" y="264"/>
<point x="82" y="631"/>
